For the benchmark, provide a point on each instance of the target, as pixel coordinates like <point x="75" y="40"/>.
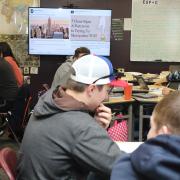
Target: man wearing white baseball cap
<point x="66" y="136"/>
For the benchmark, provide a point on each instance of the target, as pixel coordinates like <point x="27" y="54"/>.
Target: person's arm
<point x="93" y="149"/>
<point x="123" y="169"/>
<point x="96" y="152"/>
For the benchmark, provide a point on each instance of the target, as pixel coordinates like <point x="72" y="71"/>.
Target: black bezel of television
<point x="57" y="31"/>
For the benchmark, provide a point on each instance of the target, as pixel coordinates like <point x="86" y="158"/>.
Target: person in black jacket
<point x="159" y="156"/>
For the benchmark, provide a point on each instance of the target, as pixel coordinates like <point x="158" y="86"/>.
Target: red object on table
<point x="118" y="83"/>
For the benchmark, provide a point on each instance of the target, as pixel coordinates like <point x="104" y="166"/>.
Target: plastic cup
<point x="128" y="92"/>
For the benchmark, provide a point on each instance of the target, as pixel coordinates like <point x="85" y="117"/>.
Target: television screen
<point x="60" y="31"/>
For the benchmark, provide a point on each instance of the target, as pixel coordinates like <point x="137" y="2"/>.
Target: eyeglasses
<point x="110" y="90"/>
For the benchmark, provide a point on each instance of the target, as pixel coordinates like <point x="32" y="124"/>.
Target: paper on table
<point x="156" y="91"/>
<point x="128" y="146"/>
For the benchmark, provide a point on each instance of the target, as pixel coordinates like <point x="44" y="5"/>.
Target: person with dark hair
<point x="159" y="157"/>
<point x="62" y="74"/>
<point x="66" y="136"/>
<point x="8" y="85"/>
<point x="6" y="49"/>
<point x="11" y="82"/>
<point x="172" y="80"/>
<point x="7" y="54"/>
<point x="8" y="90"/>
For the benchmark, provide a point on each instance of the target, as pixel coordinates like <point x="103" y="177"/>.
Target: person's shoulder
<point x="4" y="62"/>
<point x="156" y="153"/>
<point x="67" y="63"/>
<point x="70" y="59"/>
<point x="123" y="169"/>
<point x="11" y="61"/>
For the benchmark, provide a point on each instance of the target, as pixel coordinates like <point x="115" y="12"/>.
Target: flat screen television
<point x="58" y="31"/>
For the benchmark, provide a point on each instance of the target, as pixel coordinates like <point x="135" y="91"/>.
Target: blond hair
<point x="167" y="112"/>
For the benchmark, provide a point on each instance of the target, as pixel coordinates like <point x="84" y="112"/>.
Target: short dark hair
<point x="6" y="49"/>
<point x="75" y="86"/>
<point x="80" y="50"/>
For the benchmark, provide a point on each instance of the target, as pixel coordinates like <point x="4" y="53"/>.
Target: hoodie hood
<point x="158" y="158"/>
<point x="70" y="59"/>
<point x="53" y="102"/>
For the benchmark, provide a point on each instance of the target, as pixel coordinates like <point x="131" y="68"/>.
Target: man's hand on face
<point x="103" y="116"/>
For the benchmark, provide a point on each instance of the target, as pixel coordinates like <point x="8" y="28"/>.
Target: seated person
<point x="8" y="85"/>
<point x="66" y="136"/>
<point x="7" y="54"/>
<point x="159" y="156"/>
<point x="173" y="77"/>
<point x="62" y="74"/>
<point x="8" y="90"/>
<point x="13" y="93"/>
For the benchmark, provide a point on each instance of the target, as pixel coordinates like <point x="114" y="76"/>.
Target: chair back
<point x="45" y="87"/>
<point x="8" y="160"/>
<point x="27" y="110"/>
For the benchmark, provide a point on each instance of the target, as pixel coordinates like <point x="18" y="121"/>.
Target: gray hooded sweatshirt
<point x="62" y="73"/>
<point x="63" y="141"/>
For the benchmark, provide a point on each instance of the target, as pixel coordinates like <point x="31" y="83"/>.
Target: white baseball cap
<point x="91" y="69"/>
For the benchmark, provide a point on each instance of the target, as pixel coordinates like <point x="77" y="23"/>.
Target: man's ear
<point x="164" y="130"/>
<point x="90" y="89"/>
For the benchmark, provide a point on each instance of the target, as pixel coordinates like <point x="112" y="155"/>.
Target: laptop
<point x="144" y="95"/>
<point x="143" y="85"/>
